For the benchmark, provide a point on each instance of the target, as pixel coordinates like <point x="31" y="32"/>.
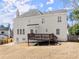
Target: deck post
<point x="28" y="41"/>
<point x="38" y="42"/>
<point x="49" y="42"/>
<point x="49" y="39"/>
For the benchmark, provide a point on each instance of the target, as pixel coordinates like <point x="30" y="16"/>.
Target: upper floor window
<point x="17" y="31"/>
<point x="35" y="31"/>
<point x="20" y="31"/>
<point x="31" y="31"/>
<point x="29" y="20"/>
<point x="23" y="31"/>
<point x="59" y="19"/>
<point x="58" y="31"/>
<point x="43" y="20"/>
<point x="46" y="30"/>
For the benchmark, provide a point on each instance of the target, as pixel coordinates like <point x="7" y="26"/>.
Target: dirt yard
<point x="67" y="50"/>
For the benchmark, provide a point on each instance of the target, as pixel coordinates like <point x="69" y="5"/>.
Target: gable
<point x="32" y="12"/>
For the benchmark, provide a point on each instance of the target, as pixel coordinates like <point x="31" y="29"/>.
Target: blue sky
<point x="8" y="8"/>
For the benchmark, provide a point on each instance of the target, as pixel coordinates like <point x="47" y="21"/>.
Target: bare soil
<point x="67" y="50"/>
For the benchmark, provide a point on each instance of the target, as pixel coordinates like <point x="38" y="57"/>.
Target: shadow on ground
<point x="45" y="43"/>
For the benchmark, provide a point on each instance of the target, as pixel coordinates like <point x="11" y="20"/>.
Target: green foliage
<point x="77" y="32"/>
<point x="71" y="17"/>
<point x="76" y="14"/>
<point x="74" y="29"/>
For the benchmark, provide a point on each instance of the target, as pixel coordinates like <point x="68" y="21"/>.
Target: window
<point x="59" y="18"/>
<point x="2" y="32"/>
<point x="43" y="21"/>
<point x="20" y="31"/>
<point x="29" y="20"/>
<point x="31" y="30"/>
<point x="46" y="30"/>
<point x="35" y="31"/>
<point x="23" y="31"/>
<point x="23" y="39"/>
<point x="17" y="31"/>
<point x="17" y="39"/>
<point x="57" y="31"/>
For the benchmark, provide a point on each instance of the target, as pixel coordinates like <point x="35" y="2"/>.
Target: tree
<point x="71" y="17"/>
<point x="76" y="14"/>
<point x="74" y="29"/>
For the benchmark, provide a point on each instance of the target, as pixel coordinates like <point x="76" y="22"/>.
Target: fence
<point x="73" y="37"/>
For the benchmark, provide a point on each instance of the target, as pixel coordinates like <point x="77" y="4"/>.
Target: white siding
<point x="51" y="24"/>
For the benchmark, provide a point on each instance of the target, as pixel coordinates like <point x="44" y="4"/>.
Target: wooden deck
<point x="49" y="37"/>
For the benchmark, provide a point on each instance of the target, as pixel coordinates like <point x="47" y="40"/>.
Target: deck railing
<point x="49" y="37"/>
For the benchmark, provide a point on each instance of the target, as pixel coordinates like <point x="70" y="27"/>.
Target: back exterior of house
<point x="41" y="23"/>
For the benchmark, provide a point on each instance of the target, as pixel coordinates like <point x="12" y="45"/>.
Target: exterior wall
<point x="9" y="33"/>
<point x="6" y="32"/>
<point x="53" y="24"/>
<point x="20" y="25"/>
<point x="50" y="23"/>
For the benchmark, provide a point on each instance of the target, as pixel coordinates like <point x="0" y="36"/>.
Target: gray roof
<point x="32" y="12"/>
<point x="35" y="12"/>
<point x="57" y="11"/>
<point x="4" y="28"/>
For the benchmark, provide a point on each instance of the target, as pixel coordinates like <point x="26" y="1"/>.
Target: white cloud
<point x="33" y="7"/>
<point x="16" y="3"/>
<point x="24" y="1"/>
<point x="21" y="5"/>
<point x="41" y="5"/>
<point x="13" y="1"/>
<point x="50" y="2"/>
<point x="9" y="1"/>
<point x="49" y="9"/>
<point x="7" y="20"/>
<point x="69" y="8"/>
<point x="23" y="8"/>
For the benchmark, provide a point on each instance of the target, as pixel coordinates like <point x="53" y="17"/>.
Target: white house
<point x="50" y="22"/>
<point x="4" y="31"/>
